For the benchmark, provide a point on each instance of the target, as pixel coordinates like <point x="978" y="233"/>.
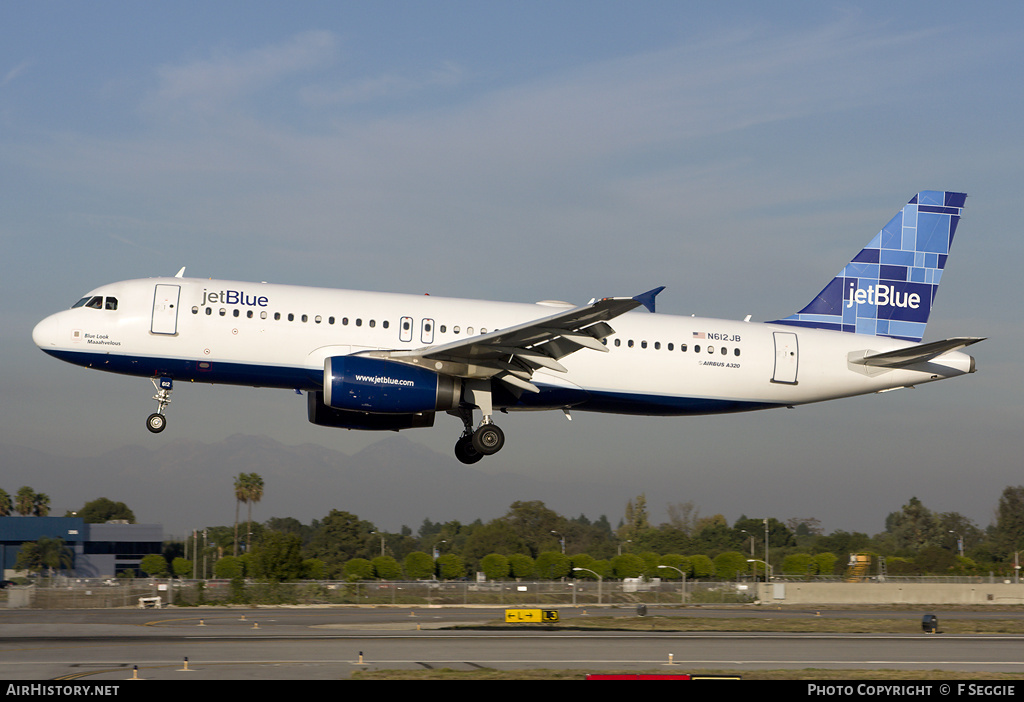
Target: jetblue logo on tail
<point x="885" y="296"/>
<point x="889" y="287"/>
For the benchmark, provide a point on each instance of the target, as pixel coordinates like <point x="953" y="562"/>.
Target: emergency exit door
<point x="787" y="358"/>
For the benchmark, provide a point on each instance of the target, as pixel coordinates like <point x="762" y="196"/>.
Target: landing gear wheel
<point x="465" y="452"/>
<point x="156" y="422"/>
<point x="488" y="439"/>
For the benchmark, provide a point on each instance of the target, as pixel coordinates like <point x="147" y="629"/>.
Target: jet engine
<point x="379" y="386"/>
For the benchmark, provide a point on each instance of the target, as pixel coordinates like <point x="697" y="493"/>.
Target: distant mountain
<point x="391" y="483"/>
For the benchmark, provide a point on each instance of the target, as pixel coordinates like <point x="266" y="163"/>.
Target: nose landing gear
<point x="157" y="422"/>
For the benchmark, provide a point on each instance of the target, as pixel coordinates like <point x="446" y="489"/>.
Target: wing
<point x="512" y="354"/>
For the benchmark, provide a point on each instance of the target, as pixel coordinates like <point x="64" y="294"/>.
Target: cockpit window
<point x="96" y="302"/>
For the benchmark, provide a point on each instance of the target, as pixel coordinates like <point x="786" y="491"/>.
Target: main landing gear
<point x="488" y="438"/>
<point x="157" y="422"/>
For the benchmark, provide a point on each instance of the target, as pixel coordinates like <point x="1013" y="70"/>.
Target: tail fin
<point x="889" y="287"/>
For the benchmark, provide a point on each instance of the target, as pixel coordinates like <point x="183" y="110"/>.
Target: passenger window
<point x="195" y="310"/>
<point x="736" y="352"/>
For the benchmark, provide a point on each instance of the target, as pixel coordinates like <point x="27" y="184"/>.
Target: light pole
<point x="768" y="573"/>
<point x="682" y="594"/>
<point x="959" y="542"/>
<point x="561" y="540"/>
<point x="599" y="579"/>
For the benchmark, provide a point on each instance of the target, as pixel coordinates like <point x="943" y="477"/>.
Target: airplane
<point x="388" y="361"/>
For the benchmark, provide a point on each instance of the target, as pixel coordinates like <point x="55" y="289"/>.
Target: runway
<point x="331" y="644"/>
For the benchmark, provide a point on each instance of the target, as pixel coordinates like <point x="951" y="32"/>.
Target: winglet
<point x="647" y="299"/>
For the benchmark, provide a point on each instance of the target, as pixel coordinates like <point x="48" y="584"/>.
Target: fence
<point x="81" y="593"/>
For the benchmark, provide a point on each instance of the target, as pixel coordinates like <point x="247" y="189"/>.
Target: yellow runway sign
<point x="531" y="615"/>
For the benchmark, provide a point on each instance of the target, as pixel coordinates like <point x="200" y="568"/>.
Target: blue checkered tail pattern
<point x="889" y="287"/>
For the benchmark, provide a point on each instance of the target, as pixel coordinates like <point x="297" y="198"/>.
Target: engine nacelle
<point x="379" y="386"/>
<point x="325" y="416"/>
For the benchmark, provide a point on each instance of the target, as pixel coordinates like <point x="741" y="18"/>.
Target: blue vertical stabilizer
<point x="889" y="287"/>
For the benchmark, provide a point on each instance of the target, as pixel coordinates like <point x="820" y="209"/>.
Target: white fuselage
<point x="269" y="335"/>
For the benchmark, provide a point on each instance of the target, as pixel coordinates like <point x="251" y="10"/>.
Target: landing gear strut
<point x="157" y="422"/>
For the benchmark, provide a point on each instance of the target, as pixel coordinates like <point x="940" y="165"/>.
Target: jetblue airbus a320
<point x="382" y="361"/>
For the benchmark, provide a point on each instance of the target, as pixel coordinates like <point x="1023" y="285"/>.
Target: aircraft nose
<point x="45" y="333"/>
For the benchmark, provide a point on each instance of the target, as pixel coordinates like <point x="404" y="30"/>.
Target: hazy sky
<point x="526" y="151"/>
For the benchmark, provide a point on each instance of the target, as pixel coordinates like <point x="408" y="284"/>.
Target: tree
<point x="419" y="565"/>
<point x="1008" y="530"/>
<point x="553" y="565"/>
<point x="24" y="501"/>
<point x="703" y="567"/>
<point x="339" y="537"/>
<point x="450" y="567"/>
<point x="386" y="568"/>
<point x="358" y="569"/>
<point x="248" y="489"/>
<point x="102" y="510"/>
<point x="628" y="565"/>
<point x="253" y="494"/>
<point x="182" y="567"/>
<point x="41" y="505"/>
<point x="278" y="558"/>
<point x="495" y="566"/>
<point x="635" y="522"/>
<point x="534" y="523"/>
<point x="914" y="527"/>
<point x="229" y="567"/>
<point x="521" y="566"/>
<point x="729" y="564"/>
<point x="154" y="565"/>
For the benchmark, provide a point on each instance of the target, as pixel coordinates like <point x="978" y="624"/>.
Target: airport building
<point x="96" y="550"/>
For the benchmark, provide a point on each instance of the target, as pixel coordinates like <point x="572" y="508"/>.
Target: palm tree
<point x="254" y="493"/>
<point x="41" y="505"/>
<point x="25" y="500"/>
<point x="241" y="482"/>
<point x="5" y="504"/>
<point x="54" y="554"/>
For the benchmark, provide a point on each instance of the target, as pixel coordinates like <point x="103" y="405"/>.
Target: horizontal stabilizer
<point x="920" y="353"/>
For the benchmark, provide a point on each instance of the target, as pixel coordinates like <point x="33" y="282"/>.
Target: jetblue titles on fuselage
<point x="416" y="357"/>
<point x="234" y="297"/>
